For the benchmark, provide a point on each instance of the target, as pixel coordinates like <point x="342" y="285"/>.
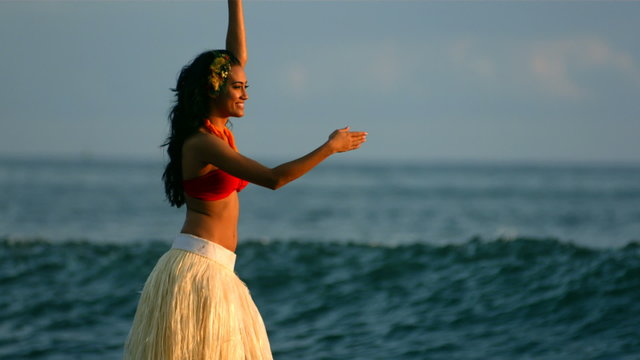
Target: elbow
<point x="276" y="182"/>
<point x="239" y="55"/>
<point x="242" y="59"/>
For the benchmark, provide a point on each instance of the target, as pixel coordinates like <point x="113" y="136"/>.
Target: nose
<point x="245" y="94"/>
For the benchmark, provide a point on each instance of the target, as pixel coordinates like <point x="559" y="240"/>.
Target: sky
<point x="549" y="81"/>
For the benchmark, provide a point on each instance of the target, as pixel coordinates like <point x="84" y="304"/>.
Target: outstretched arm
<point x="215" y="151"/>
<point x="339" y="141"/>
<point x="236" y="39"/>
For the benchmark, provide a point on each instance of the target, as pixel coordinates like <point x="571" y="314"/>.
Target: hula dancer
<point x="193" y="305"/>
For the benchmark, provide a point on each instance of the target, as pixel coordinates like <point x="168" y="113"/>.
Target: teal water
<point x="525" y="298"/>
<point x="354" y="261"/>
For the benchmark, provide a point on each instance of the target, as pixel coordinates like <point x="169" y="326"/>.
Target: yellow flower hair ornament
<point x="220" y="70"/>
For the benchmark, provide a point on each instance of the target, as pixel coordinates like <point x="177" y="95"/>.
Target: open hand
<point x="343" y="139"/>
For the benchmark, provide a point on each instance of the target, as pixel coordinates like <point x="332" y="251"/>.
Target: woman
<point x="193" y="306"/>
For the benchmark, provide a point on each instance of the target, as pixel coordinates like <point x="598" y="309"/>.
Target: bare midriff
<point x="215" y="221"/>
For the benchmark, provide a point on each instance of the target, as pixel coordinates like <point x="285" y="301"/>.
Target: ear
<point x="212" y="93"/>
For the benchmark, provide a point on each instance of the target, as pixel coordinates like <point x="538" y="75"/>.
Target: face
<point x="231" y="100"/>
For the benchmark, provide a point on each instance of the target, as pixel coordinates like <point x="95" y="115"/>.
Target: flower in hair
<point x="220" y="70"/>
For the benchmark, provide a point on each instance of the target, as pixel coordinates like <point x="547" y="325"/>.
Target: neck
<point x="218" y="121"/>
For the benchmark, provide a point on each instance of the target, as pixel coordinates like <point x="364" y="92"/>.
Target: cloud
<point x="572" y="67"/>
<point x="578" y="67"/>
<point x="559" y="65"/>
<point x="375" y="67"/>
<point x="297" y="78"/>
<point x="384" y="67"/>
<point x="550" y="67"/>
<point x="463" y="54"/>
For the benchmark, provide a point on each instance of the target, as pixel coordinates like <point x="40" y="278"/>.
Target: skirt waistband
<point x="206" y="248"/>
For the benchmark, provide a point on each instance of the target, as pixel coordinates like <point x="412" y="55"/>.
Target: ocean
<point x="352" y="261"/>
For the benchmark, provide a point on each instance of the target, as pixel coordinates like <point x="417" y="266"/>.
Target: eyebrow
<point x="239" y="82"/>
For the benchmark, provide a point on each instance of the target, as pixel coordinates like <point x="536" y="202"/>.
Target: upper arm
<point x="212" y="150"/>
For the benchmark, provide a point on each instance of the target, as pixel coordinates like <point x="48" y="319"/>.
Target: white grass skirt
<point x="193" y="306"/>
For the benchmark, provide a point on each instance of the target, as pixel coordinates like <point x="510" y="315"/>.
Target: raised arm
<point x="236" y="39"/>
<point x="215" y="151"/>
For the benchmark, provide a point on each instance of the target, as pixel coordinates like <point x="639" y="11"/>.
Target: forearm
<point x="292" y="170"/>
<point x="236" y="39"/>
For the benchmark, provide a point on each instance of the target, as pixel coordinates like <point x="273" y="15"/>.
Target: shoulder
<point x="205" y="148"/>
<point x="201" y="140"/>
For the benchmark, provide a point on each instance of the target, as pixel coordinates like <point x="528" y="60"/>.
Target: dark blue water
<point x="431" y="261"/>
<point x="525" y="298"/>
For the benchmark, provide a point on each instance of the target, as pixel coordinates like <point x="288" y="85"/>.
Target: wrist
<point x="329" y="148"/>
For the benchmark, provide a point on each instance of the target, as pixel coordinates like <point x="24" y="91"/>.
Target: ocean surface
<point x="353" y="261"/>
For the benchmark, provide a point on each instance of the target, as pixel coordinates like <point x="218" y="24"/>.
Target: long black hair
<point x="187" y="115"/>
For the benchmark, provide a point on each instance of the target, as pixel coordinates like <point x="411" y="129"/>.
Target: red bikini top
<point x="215" y="184"/>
